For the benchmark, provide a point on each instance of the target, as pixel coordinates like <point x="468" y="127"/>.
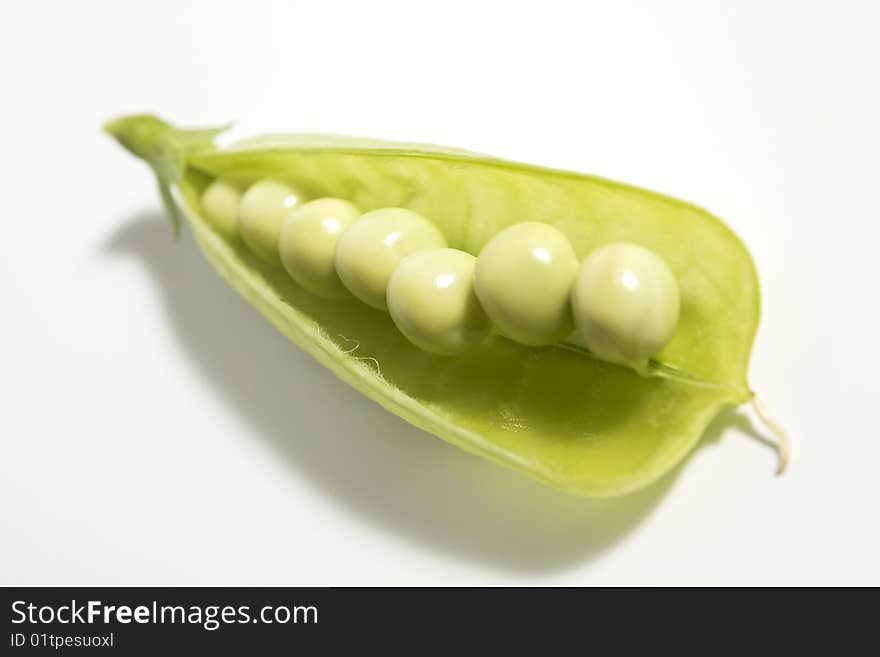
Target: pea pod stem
<point x="164" y="148"/>
<point x="783" y="444"/>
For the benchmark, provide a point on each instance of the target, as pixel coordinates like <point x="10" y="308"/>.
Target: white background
<point x="156" y="430"/>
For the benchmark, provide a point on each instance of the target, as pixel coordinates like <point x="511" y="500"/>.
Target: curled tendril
<point x="783" y="445"/>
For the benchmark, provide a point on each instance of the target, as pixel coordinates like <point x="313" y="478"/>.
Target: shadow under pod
<point x="370" y="462"/>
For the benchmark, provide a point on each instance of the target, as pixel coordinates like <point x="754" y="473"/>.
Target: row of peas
<point x="526" y="281"/>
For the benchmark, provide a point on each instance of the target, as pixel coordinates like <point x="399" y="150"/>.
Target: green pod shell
<point x="555" y="413"/>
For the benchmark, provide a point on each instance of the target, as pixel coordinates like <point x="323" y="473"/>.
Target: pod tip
<point x="783" y="444"/>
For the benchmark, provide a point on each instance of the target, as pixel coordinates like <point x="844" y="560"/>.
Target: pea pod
<point x="554" y="412"/>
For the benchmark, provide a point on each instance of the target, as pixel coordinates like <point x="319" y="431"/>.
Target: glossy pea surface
<point x="263" y="208"/>
<point x="307" y="244"/>
<point x="626" y="303"/>
<point x="523" y="279"/>
<point x="371" y="248"/>
<point x="432" y="301"/>
<point x="220" y="203"/>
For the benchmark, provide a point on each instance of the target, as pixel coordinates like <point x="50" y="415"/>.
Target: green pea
<point x="370" y="249"/>
<point x="263" y="208"/>
<point x="523" y="279"/>
<point x="432" y="301"/>
<point x="220" y="203"/>
<point x="308" y="242"/>
<point x="626" y="302"/>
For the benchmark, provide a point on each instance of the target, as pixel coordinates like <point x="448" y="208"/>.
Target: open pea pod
<point x="555" y="413"/>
